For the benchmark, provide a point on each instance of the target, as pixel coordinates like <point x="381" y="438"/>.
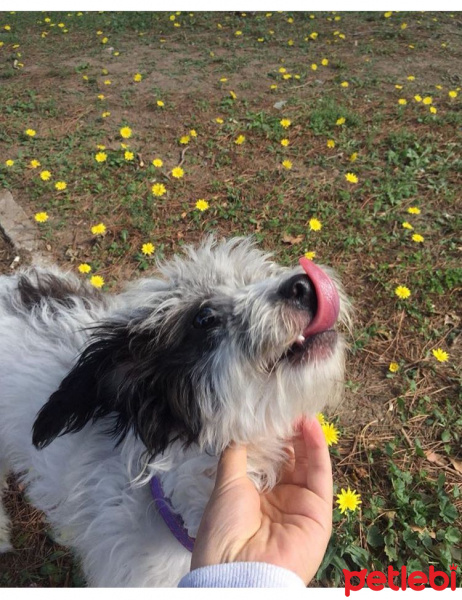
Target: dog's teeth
<point x="300" y="339"/>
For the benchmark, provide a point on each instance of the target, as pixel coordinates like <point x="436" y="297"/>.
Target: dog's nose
<point x="300" y="291"/>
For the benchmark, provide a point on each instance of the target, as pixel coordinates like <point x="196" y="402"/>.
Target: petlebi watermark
<point x="416" y="580"/>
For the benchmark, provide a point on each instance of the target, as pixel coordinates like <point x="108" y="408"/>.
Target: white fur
<point x="97" y="496"/>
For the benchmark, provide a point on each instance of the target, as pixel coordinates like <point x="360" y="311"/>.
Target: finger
<point x="232" y="464"/>
<point x="314" y="457"/>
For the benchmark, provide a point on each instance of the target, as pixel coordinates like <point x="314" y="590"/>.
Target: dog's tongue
<point x="327" y="298"/>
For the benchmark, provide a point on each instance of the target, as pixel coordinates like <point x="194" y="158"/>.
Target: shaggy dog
<point x="99" y="394"/>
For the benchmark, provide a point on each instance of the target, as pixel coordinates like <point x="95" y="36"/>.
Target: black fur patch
<point x="138" y="381"/>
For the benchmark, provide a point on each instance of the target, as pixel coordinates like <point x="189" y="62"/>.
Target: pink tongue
<point x="327" y="298"/>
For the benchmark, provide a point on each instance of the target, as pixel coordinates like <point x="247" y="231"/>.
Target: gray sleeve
<point x="241" y="575"/>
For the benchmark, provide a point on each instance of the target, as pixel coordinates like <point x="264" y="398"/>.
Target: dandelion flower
<point x="418" y="98"/>
<point x="344" y="84"/>
<point x="340" y="121"/>
<point x="105" y="114"/>
<point x="147" y="249"/>
<point x="100" y="157"/>
<point x="286" y="123"/>
<point x="413" y="210"/>
<point x="427" y="100"/>
<point x="158" y="189"/>
<point x="285" y="142"/>
<point x="314" y="35"/>
<point x="126" y="132"/>
<point x="34" y="163"/>
<point x="9" y="162"/>
<point x="282" y="70"/>
<point x="273" y="86"/>
<point x="107" y="82"/>
<point x="440" y="355"/>
<point x="137" y="77"/>
<point x="353" y="157"/>
<point x="310" y="255"/>
<point x="402" y="292"/>
<point x="158" y="162"/>
<point x="30" y="132"/>
<point x="60" y="185"/>
<point x="84" y="268"/>
<point x="315" y="224"/>
<point x="351" y="178"/>
<point x="41" y="217"/>
<point x="129" y="155"/>
<point x="324" y="62"/>
<point x="97" y="281"/>
<point x="330" y="433"/>
<point x="239" y="140"/>
<point x="314" y="67"/>
<point x="410" y="77"/>
<point x="219" y="120"/>
<point x="348" y="500"/>
<point x="232" y="94"/>
<point x="393" y="367"/>
<point x="407" y="225"/>
<point x="160" y="103"/>
<point x="184" y="139"/>
<point x="177" y="172"/>
<point x="287" y="164"/>
<point x="202" y="205"/>
<point x="330" y="144"/>
<point x="417" y="237"/>
<point x="433" y="110"/>
<point x="402" y="101"/>
<point x="452" y="94"/>
<point x="45" y="175"/>
<point x="101" y="96"/>
<point x="193" y="133"/>
<point x="99" y="229"/>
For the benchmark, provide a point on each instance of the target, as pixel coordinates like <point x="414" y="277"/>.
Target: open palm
<point x="289" y="526"/>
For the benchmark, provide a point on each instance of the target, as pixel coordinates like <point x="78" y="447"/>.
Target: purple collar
<point x="173" y="521"/>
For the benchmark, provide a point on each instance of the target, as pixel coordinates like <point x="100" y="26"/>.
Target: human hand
<point x="290" y="526"/>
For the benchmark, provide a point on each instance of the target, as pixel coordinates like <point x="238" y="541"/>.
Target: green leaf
<point x="374" y="537"/>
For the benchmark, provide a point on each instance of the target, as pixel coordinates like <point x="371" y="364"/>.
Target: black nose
<point x="299" y="290"/>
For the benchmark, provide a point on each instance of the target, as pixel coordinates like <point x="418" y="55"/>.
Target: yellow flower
<point x="107" y="82"/>
<point x="45" y="175"/>
<point x="452" y="94"/>
<point x="413" y="210"/>
<point x="313" y="35"/>
<point x="324" y="62"/>
<point x="418" y="98"/>
<point x="393" y="367"/>
<point x="158" y="189"/>
<point x="440" y="355"/>
<point x="101" y="96"/>
<point x="340" y="121"/>
<point x="287" y="164"/>
<point x="60" y="185"/>
<point x="157" y="162"/>
<point x="403" y="25"/>
<point x="314" y="67"/>
<point x="330" y="433"/>
<point x="402" y="292"/>
<point x="427" y="100"/>
<point x="417" y="237"/>
<point x="286" y="123"/>
<point x="398" y="87"/>
<point x="315" y="224"/>
<point x="239" y="140"/>
<point x="282" y="70"/>
<point x="202" y="205"/>
<point x="34" y="163"/>
<point x="41" y="217"/>
<point x="310" y="255"/>
<point x="402" y="101"/>
<point x="433" y="110"/>
<point x="184" y="139"/>
<point x="84" y="268"/>
<point x="223" y="79"/>
<point x="330" y="144"/>
<point x="193" y="133"/>
<point x="100" y="157"/>
<point x="410" y="77"/>
<point x="128" y="155"/>
<point x="285" y="142"/>
<point x="287" y="76"/>
<point x="9" y="162"/>
<point x="104" y="40"/>
<point x="106" y="114"/>
<point x="97" y="281"/>
<point x="160" y="103"/>
<point x="177" y="172"/>
<point x="30" y="132"/>
<point x="407" y="225"/>
<point x="353" y="157"/>
<point x="232" y="94"/>
<point x="137" y="77"/>
<point x="388" y="14"/>
<point x="345" y="84"/>
<point x="348" y="500"/>
<point x="351" y="178"/>
<point x="126" y="132"/>
<point x="99" y="229"/>
<point x="219" y="120"/>
<point x="238" y="33"/>
<point x="148" y="249"/>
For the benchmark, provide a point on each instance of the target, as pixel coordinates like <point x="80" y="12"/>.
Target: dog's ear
<point x="120" y="376"/>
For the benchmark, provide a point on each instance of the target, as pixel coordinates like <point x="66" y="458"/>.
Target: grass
<point x="400" y="433"/>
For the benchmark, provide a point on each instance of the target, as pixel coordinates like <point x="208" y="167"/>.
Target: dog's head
<point x="228" y="345"/>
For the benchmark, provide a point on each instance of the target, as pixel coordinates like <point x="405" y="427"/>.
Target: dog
<point x="101" y="395"/>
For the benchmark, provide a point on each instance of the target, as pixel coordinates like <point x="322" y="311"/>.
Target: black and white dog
<point x="150" y="386"/>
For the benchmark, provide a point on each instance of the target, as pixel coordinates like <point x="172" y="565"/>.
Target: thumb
<point x="232" y="464"/>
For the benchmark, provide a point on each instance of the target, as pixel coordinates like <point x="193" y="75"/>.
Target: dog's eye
<point x="205" y="318"/>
